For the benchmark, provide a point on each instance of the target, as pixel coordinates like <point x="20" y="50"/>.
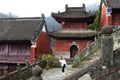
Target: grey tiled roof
<point x="20" y="28"/>
<point x="112" y="3"/>
<point x="77" y="34"/>
<point x="74" y="12"/>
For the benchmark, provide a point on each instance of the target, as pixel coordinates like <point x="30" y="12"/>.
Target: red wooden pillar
<point x="32" y="53"/>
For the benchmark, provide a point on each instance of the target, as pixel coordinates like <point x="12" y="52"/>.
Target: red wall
<point x="74" y="25"/>
<point x="62" y="45"/>
<point x="65" y="45"/>
<point x="114" y="19"/>
<point x="103" y="20"/>
<point x="82" y="44"/>
<point x="42" y="45"/>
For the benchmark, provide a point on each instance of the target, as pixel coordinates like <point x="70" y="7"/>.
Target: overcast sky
<point x="34" y="8"/>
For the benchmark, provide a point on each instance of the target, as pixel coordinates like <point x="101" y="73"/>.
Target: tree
<point x="95" y="25"/>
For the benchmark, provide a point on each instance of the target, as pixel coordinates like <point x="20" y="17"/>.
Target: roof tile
<point x="74" y="12"/>
<point x="20" y="28"/>
<point x="112" y="3"/>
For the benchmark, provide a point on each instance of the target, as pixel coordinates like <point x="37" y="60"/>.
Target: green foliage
<point x="43" y="64"/>
<point x="91" y="26"/>
<point x="51" y="61"/>
<point x="95" y="25"/>
<point x="54" y="64"/>
<point x="47" y="57"/>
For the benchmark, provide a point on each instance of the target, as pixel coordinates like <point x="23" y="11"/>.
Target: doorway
<point x="73" y="51"/>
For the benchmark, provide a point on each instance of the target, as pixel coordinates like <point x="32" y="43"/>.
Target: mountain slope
<point x="52" y="24"/>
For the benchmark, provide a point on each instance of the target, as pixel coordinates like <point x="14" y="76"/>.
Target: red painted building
<point x="74" y="35"/>
<point x="22" y="40"/>
<point x="110" y="13"/>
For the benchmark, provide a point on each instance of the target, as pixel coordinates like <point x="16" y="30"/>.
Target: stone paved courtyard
<point x="56" y="74"/>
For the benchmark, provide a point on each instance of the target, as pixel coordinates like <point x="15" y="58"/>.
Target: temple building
<point x="74" y="35"/>
<point x="22" y="40"/>
<point x="110" y="13"/>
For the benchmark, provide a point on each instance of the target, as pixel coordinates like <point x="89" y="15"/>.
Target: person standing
<point x="63" y="64"/>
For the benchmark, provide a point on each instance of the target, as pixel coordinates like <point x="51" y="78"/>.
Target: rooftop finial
<point x="66" y="6"/>
<point x="43" y="16"/>
<point x="83" y="5"/>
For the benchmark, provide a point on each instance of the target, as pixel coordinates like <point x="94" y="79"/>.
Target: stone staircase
<point x="85" y="66"/>
<point x="91" y="58"/>
<point x="89" y="50"/>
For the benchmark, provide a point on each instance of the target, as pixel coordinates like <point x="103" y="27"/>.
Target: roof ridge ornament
<point x="109" y="11"/>
<point x="66" y="6"/>
<point x="83" y="5"/>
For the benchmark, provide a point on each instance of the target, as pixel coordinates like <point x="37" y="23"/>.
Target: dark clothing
<point x="63" y="68"/>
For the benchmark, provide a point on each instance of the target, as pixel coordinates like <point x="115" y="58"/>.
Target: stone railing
<point x="91" y="48"/>
<point x="116" y="37"/>
<point x="107" y="66"/>
<point x="21" y="73"/>
<point x="76" y="75"/>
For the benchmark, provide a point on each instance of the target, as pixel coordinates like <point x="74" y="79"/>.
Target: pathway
<point x="56" y="74"/>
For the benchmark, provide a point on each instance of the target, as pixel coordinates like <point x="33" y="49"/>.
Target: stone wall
<point x="110" y="60"/>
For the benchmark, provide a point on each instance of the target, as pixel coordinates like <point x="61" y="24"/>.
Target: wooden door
<point x="73" y="51"/>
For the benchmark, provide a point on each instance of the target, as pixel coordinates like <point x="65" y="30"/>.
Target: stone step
<point x="69" y="60"/>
